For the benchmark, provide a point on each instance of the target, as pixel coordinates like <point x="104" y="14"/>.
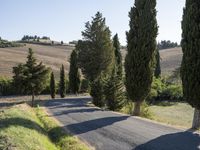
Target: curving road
<point x="106" y="130"/>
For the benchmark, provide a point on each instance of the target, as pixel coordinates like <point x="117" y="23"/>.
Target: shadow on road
<point x="179" y="141"/>
<point x="83" y="127"/>
<point x="71" y="102"/>
<point x="82" y="110"/>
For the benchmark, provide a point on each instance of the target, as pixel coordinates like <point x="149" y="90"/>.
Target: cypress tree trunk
<point x="137" y="106"/>
<point x="33" y="98"/>
<point x="196" y="119"/>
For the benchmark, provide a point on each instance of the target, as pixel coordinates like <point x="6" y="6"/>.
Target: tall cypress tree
<point x="114" y="93"/>
<point x="118" y="56"/>
<point x="62" y="84"/>
<point x="52" y="86"/>
<point x="157" y="72"/>
<point x="190" y="68"/>
<point x="139" y="62"/>
<point x="96" y="55"/>
<point x="74" y="74"/>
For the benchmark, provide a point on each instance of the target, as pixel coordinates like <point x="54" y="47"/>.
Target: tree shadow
<point x="83" y="127"/>
<point x="83" y="110"/>
<point x="56" y="103"/>
<point x="176" y="141"/>
<point x="8" y="122"/>
<point x="9" y="104"/>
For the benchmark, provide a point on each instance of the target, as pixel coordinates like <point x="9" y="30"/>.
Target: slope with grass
<point x="24" y="128"/>
<point x="52" y="56"/>
<point x="55" y="56"/>
<point x="21" y="129"/>
<point x="170" y="60"/>
<point x="178" y="114"/>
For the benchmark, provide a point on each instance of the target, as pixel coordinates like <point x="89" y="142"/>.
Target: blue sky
<point x="65" y="19"/>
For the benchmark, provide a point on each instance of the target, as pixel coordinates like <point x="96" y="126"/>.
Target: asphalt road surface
<point x="107" y="130"/>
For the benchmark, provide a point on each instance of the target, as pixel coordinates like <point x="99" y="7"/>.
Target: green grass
<point x="178" y="114"/>
<point x="57" y="134"/>
<point x="172" y="113"/>
<point x="21" y="129"/>
<point x="24" y="128"/>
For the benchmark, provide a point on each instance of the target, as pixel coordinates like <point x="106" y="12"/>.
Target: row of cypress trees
<point x="100" y="60"/>
<point x="74" y="79"/>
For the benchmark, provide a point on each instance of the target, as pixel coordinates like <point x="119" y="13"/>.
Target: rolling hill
<point x="52" y="56"/>
<point x="55" y="56"/>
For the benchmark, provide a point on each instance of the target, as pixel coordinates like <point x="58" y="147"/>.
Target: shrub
<point x="161" y="90"/>
<point x="173" y="92"/>
<point x="6" y="87"/>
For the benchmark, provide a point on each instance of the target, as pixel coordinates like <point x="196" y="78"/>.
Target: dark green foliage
<point x="96" y="53"/>
<point x="118" y="56"/>
<point x="74" y="73"/>
<point x="62" y="84"/>
<point x="61" y="43"/>
<point x="163" y="90"/>
<point x="167" y="44"/>
<point x="190" y="69"/>
<point x="85" y="86"/>
<point x="114" y="93"/>
<point x="157" y="72"/>
<point x="97" y="92"/>
<point x="114" y="86"/>
<point x="31" y="77"/>
<point x="141" y="49"/>
<point x="52" y="86"/>
<point x="19" y="78"/>
<point x="6" y="87"/>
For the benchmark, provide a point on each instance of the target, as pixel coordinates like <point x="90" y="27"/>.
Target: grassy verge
<point x="20" y="129"/>
<point x="179" y="114"/>
<point x="24" y="128"/>
<point x="57" y="134"/>
<point x="172" y="113"/>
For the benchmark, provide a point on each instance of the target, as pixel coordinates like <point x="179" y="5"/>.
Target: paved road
<point x="106" y="130"/>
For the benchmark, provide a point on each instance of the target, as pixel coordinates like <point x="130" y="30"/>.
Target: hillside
<point x="52" y="56"/>
<point x="170" y="60"/>
<point x="55" y="56"/>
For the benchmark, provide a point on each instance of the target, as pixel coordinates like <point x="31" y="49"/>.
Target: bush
<point x="173" y="92"/>
<point x="6" y="87"/>
<point x="161" y="90"/>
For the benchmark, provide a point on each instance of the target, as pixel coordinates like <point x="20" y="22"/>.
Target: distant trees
<point x="190" y="68"/>
<point x="61" y="43"/>
<point x="74" y="74"/>
<point x="34" y="38"/>
<point x="62" y="84"/>
<point x="96" y="55"/>
<point x="167" y="44"/>
<point x="30" y="77"/>
<point x="52" y="86"/>
<point x="141" y="49"/>
<point x="157" y="72"/>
